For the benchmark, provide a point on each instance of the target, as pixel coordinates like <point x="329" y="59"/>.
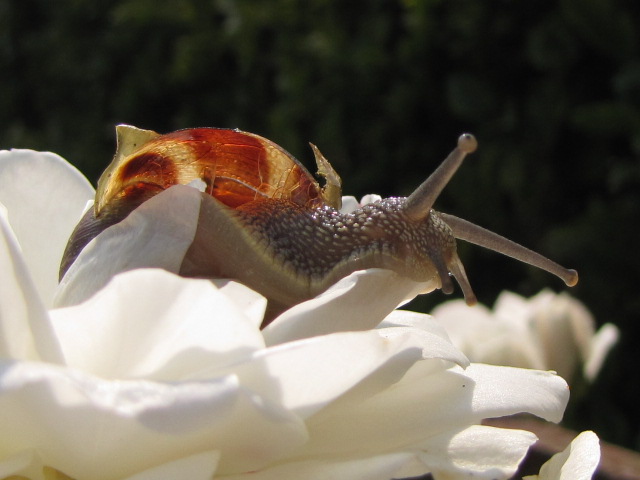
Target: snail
<point x="266" y="221"/>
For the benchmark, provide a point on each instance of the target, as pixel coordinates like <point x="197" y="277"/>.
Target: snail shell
<point x="265" y="220"/>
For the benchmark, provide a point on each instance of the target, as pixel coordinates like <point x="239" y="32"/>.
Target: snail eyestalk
<point x="420" y="202"/>
<point x="464" y="230"/>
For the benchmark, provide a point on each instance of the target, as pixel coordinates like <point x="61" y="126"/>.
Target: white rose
<point x="141" y="374"/>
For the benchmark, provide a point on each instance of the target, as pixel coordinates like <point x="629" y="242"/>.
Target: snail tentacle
<point x="459" y="273"/>
<point x="472" y="233"/>
<point x="420" y="202"/>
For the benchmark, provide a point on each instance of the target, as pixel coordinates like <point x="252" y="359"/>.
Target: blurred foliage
<point x="550" y="88"/>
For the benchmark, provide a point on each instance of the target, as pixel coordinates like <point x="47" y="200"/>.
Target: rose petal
<point x="349" y="204"/>
<point x="365" y="421"/>
<point x="201" y="466"/>
<point x="563" y="328"/>
<point x="543" y="394"/>
<point x="307" y="375"/>
<point x="156" y="234"/>
<point x="479" y="452"/>
<point x="379" y="467"/>
<point x="485" y="338"/>
<point x="370" y="198"/>
<point x="547" y="331"/>
<point x="601" y="343"/>
<point x="511" y="305"/>
<point x="25" y="328"/>
<point x="45" y="197"/>
<point x="152" y="324"/>
<point x="421" y="321"/>
<point x="22" y="464"/>
<point x="428" y="400"/>
<point x="357" y="302"/>
<point x="249" y="301"/>
<point x="566" y="308"/>
<point x="577" y="462"/>
<point x="139" y="423"/>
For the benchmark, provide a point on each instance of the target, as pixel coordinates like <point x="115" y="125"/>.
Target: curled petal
<point x="428" y="400"/>
<point x="546" y="394"/>
<point x="62" y="410"/>
<point x="152" y="324"/>
<point x="308" y="375"/>
<point x="45" y="197"/>
<point x="601" y="343"/>
<point x="357" y="302"/>
<point x="546" y="332"/>
<point x="201" y="466"/>
<point x="577" y="462"/>
<point x="25" y="328"/>
<point x="349" y="204"/>
<point x="156" y="234"/>
<point x="480" y="452"/>
<point x="21" y="465"/>
<point x="488" y="339"/>
<point x="378" y="467"/>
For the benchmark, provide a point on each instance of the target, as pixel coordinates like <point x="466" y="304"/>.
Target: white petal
<point x="45" y="197"/>
<point x="510" y="305"/>
<point x="479" y="452"/>
<point x="381" y="467"/>
<point x="201" y="466"/>
<point x="488" y="338"/>
<point x="359" y="301"/>
<point x="90" y="428"/>
<point x="504" y="391"/>
<point x="380" y="415"/>
<point x="580" y="318"/>
<point x="428" y="400"/>
<point x="370" y="198"/>
<point x="22" y="464"/>
<point x="563" y="327"/>
<point x="250" y="302"/>
<point x="458" y="319"/>
<point x="312" y="373"/>
<point x="421" y="321"/>
<point x="25" y="328"/>
<point x="577" y="462"/>
<point x="152" y="324"/>
<point x="156" y="234"/>
<point x="602" y="342"/>
<point x="349" y="204"/>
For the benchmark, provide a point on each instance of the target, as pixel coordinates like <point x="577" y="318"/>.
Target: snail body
<point x="265" y="221"/>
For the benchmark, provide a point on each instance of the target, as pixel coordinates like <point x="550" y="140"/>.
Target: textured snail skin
<point x="266" y="222"/>
<point x="290" y="253"/>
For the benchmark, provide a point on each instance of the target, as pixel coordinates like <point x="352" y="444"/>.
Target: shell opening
<point x="420" y="202"/>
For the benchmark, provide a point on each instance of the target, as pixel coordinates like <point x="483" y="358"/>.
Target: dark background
<point x="550" y="88"/>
